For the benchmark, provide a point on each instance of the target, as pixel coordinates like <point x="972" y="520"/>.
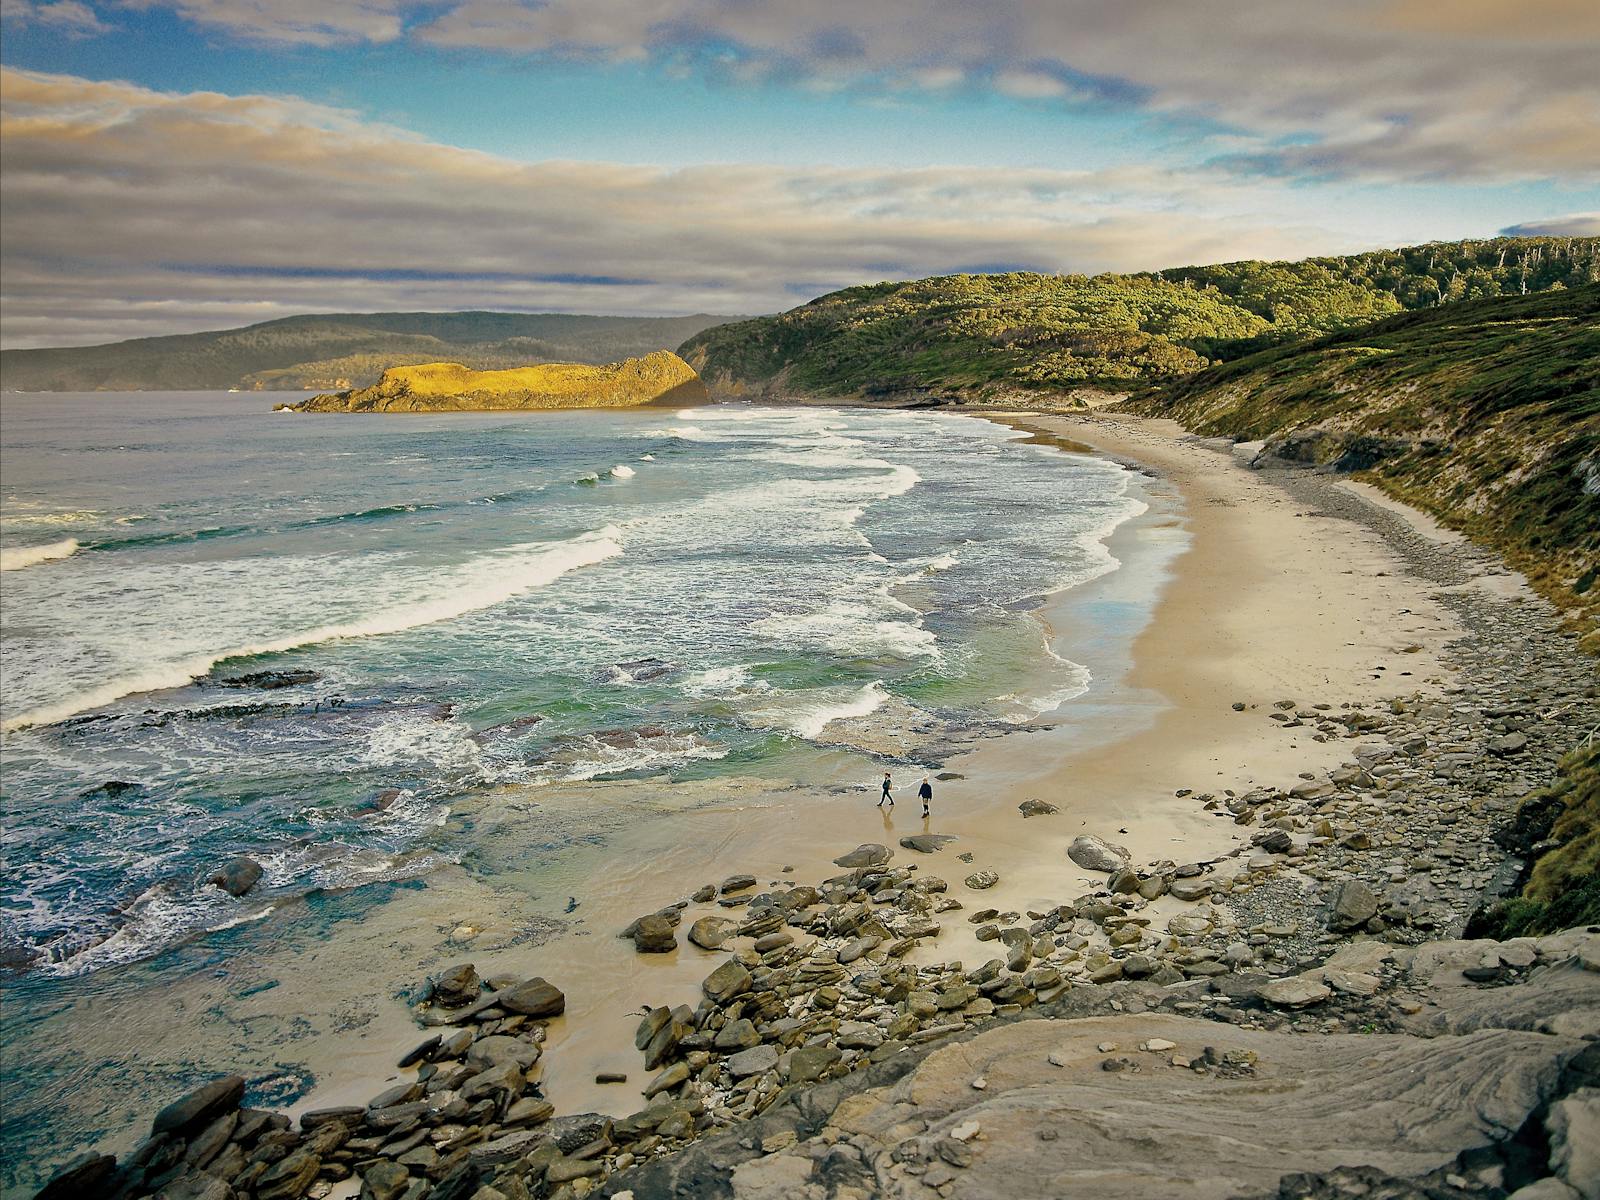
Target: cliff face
<point x="658" y="378"/>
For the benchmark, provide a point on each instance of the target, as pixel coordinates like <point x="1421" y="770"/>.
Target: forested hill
<point x="997" y="337"/>
<point x="1485" y="413"/>
<point x="341" y="350"/>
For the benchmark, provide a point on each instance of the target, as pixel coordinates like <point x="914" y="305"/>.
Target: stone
<point x="1037" y="808"/>
<point x="237" y="876"/>
<point x="1096" y="854"/>
<point x="1573" y="1128"/>
<point x="288" y="1178"/>
<point x="652" y="934"/>
<point x="982" y="880"/>
<point x="727" y="981"/>
<point x="498" y="1049"/>
<point x="736" y="883"/>
<point x="710" y="932"/>
<point x="674" y="1076"/>
<point x="927" y="843"/>
<point x="1296" y="991"/>
<point x="84" y="1176"/>
<point x="1352" y="905"/>
<point x="1190" y="889"/>
<point x="1274" y="841"/>
<point x="737" y="1035"/>
<point x="533" y="998"/>
<point x="385" y="1180"/>
<point x="810" y="1063"/>
<point x="1123" y="882"/>
<point x="456" y="987"/>
<point x="1352" y="983"/>
<point x="755" y="1061"/>
<point x="868" y="854"/>
<point x="1511" y="743"/>
<point x="200" y="1107"/>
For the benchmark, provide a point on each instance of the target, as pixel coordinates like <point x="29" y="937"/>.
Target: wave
<point x="484" y="583"/>
<point x="806" y="714"/>
<point x="853" y="630"/>
<point x="369" y="514"/>
<point x="622" y="472"/>
<point x="27" y="556"/>
<point x="79" y="517"/>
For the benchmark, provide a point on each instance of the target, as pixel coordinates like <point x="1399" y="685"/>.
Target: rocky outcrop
<point x="659" y="378"/>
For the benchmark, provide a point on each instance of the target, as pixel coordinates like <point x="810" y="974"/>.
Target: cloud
<point x="307" y="22"/>
<point x="129" y="211"/>
<point x="1383" y="89"/>
<point x="64" y="16"/>
<point x="1572" y="225"/>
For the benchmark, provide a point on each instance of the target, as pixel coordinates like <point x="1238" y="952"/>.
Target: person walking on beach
<point x="886" y="795"/>
<point x="926" y="792"/>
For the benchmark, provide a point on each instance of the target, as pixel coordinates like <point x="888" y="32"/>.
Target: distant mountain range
<point x="341" y="350"/>
<point x="1004" y="337"/>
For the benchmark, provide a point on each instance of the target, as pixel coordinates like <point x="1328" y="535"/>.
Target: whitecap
<point x="27" y="556"/>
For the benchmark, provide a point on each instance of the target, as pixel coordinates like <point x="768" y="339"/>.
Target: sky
<point x="169" y="166"/>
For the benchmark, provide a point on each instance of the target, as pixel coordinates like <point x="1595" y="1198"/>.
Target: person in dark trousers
<point x="886" y="795"/>
<point x="926" y="792"/>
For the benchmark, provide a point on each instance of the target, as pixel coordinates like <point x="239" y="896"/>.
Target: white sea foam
<point x="481" y="583"/>
<point x="623" y="472"/>
<point x="27" y="556"/>
<point x="807" y="713"/>
<point x="647" y="458"/>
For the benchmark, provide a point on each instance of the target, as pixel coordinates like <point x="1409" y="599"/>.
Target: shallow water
<point x="487" y="601"/>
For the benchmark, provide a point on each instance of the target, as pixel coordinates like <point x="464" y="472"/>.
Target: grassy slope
<point x="314" y="351"/>
<point x="1486" y="414"/>
<point x="989" y="336"/>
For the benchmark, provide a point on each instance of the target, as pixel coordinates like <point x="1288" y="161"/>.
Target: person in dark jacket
<point x="926" y="792"/>
<point x="886" y="794"/>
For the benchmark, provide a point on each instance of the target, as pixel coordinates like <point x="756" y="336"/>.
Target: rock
<point x="710" y="932"/>
<point x="270" y="681"/>
<point x="1274" y="841"/>
<point x="1037" y="808"/>
<point x="810" y="1063"/>
<point x="499" y="1049"/>
<point x="737" y="1035"/>
<point x="385" y="1180"/>
<point x="456" y="987"/>
<point x="1096" y="854"/>
<point x="980" y="881"/>
<point x="726" y="982"/>
<point x="288" y="1178"/>
<point x="200" y="1107"/>
<point x="1352" y="983"/>
<point x="533" y="998"/>
<point x="1511" y="743"/>
<point x="1297" y="991"/>
<point x="737" y="883"/>
<point x="85" y="1176"/>
<point x="652" y="934"/>
<point x="1573" y="1128"/>
<point x="754" y="1061"/>
<point x="1190" y="889"/>
<point x="1352" y="905"/>
<point x="868" y="854"/>
<point x="1123" y="882"/>
<point x="926" y="843"/>
<point x="237" y="876"/>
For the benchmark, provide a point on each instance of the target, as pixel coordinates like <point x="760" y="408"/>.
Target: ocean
<point x="312" y="639"/>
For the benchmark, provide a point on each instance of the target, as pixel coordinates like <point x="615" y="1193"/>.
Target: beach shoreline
<point x="1262" y="599"/>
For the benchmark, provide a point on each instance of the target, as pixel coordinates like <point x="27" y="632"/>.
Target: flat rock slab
<point x="1404" y="1104"/>
<point x="927" y="843"/>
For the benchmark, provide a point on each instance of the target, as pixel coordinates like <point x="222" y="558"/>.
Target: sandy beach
<point x="1262" y="602"/>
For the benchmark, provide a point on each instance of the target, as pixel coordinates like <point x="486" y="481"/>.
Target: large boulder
<point x="200" y="1107"/>
<point x="533" y="998"/>
<point x="652" y="935"/>
<point x="868" y="854"/>
<point x="1096" y="854"/>
<point x="1352" y="905"/>
<point x="710" y="932"/>
<point x="455" y="987"/>
<point x="237" y="876"/>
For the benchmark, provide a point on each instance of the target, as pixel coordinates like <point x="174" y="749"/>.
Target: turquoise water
<point x="475" y="600"/>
